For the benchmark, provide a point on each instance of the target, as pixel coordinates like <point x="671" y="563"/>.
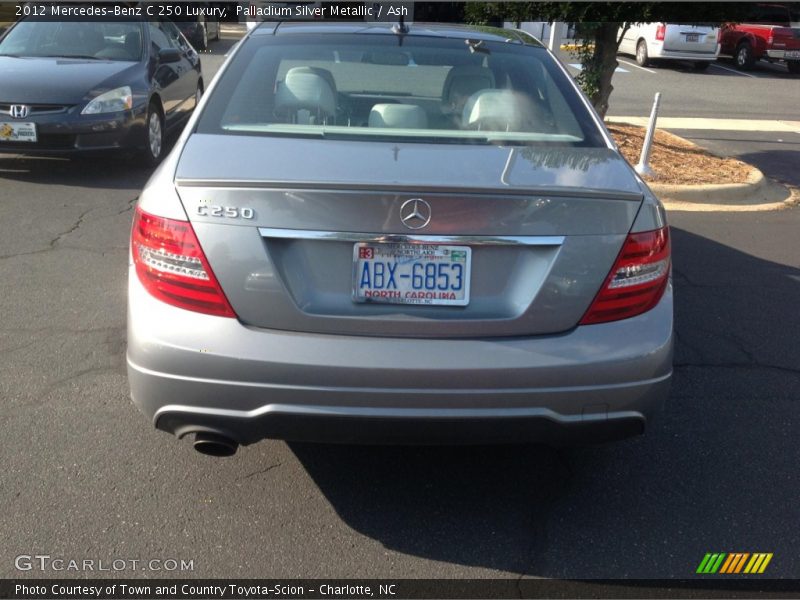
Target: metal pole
<point x="643" y="168"/>
<point x="555" y="36"/>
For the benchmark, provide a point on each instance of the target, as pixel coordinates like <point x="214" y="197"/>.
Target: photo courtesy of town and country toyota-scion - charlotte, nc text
<point x="137" y="589"/>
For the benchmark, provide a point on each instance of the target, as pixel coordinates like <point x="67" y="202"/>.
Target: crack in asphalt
<point x="53" y="244"/>
<point x="260" y="471"/>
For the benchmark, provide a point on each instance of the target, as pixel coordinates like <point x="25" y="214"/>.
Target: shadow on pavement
<point x="114" y="172"/>
<point x="717" y="472"/>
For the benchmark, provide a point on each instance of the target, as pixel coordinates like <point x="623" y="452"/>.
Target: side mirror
<point x="169" y="55"/>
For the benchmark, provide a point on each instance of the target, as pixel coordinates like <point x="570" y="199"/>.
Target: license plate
<point x="692" y="37"/>
<point x="430" y="274"/>
<point x="791" y="54"/>
<point x="17" y="132"/>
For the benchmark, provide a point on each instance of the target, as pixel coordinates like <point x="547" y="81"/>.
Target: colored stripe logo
<point x="734" y="562"/>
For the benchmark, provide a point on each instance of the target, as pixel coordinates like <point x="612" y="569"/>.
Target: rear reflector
<point x="637" y="280"/>
<point x="171" y="265"/>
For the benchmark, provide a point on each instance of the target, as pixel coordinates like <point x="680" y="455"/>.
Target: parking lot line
<point x="630" y="64"/>
<point x="733" y="71"/>
<point x="711" y="124"/>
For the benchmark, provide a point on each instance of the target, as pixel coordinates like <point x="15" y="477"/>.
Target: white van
<point x="694" y="42"/>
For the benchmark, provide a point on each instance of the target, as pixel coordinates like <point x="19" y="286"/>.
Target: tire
<point x="198" y="93"/>
<point x="701" y="65"/>
<point x="152" y="150"/>
<point x="202" y="39"/>
<point x="793" y="66"/>
<point x="642" y="59"/>
<point x="743" y="58"/>
<point x="219" y="32"/>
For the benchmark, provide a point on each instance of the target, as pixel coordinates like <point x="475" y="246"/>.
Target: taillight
<point x="171" y="265"/>
<point x="661" y="31"/>
<point x="637" y="280"/>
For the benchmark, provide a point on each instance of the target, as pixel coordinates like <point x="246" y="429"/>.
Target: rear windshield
<point x="377" y="87"/>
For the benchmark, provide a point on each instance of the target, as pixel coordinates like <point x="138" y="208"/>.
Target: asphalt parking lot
<point x="86" y="476"/>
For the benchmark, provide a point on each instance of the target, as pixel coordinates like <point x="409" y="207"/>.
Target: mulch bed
<point x="676" y="160"/>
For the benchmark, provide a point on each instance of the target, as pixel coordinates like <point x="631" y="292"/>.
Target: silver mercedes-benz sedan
<point x="397" y="234"/>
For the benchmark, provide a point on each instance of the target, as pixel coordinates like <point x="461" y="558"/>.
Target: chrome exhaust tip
<point x="212" y="444"/>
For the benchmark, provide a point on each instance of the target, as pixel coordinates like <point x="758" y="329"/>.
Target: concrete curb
<point x="757" y="190"/>
<point x="792" y="201"/>
<point x="757" y="193"/>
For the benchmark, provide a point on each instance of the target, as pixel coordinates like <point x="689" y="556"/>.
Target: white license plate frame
<point x="399" y="282"/>
<point x="10" y="132"/>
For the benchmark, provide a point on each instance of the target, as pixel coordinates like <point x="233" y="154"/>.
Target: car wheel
<point x="701" y="65"/>
<point x="216" y="35"/>
<point x="744" y="57"/>
<point x="198" y="94"/>
<point x="153" y="147"/>
<point x="794" y="66"/>
<point x="641" y="54"/>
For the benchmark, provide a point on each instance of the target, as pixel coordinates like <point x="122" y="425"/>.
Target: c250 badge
<point x="229" y="212"/>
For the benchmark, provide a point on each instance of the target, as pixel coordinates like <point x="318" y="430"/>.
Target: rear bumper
<point x="657" y="51"/>
<point x="781" y="54"/>
<point x="191" y="373"/>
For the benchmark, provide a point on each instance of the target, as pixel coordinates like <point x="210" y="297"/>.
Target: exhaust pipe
<point x="212" y="444"/>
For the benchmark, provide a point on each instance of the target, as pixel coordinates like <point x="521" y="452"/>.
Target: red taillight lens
<point x="661" y="31"/>
<point x="637" y="280"/>
<point x="171" y="265"/>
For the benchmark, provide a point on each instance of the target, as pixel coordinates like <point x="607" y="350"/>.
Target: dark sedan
<point x="197" y="23"/>
<point x="78" y="87"/>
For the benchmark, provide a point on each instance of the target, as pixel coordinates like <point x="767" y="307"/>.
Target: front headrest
<point x="493" y="110"/>
<point x="463" y="81"/>
<point x="406" y="116"/>
<point x="307" y="88"/>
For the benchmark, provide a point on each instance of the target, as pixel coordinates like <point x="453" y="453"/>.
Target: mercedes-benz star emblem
<point x="19" y="111"/>
<point x="415" y="213"/>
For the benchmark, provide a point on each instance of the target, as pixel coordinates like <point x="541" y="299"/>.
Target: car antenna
<point x="400" y="28"/>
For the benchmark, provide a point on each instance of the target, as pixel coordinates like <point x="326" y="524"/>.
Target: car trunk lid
<point x="543" y="226"/>
<point x="690" y="38"/>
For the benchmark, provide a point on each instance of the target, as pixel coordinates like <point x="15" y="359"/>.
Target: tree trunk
<point x="605" y="61"/>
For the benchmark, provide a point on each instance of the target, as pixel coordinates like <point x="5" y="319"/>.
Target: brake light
<point x="637" y="280"/>
<point x="661" y="31"/>
<point x="172" y="266"/>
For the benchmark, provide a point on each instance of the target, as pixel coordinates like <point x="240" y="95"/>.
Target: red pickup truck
<point x="768" y="34"/>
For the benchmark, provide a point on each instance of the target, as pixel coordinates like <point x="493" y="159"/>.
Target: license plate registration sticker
<point x="400" y="273"/>
<point x="17" y="132"/>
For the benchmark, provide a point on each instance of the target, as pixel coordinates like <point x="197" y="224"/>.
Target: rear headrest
<point x="463" y="81"/>
<point x="407" y="116"/>
<point x="307" y="88"/>
<point x="493" y="110"/>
